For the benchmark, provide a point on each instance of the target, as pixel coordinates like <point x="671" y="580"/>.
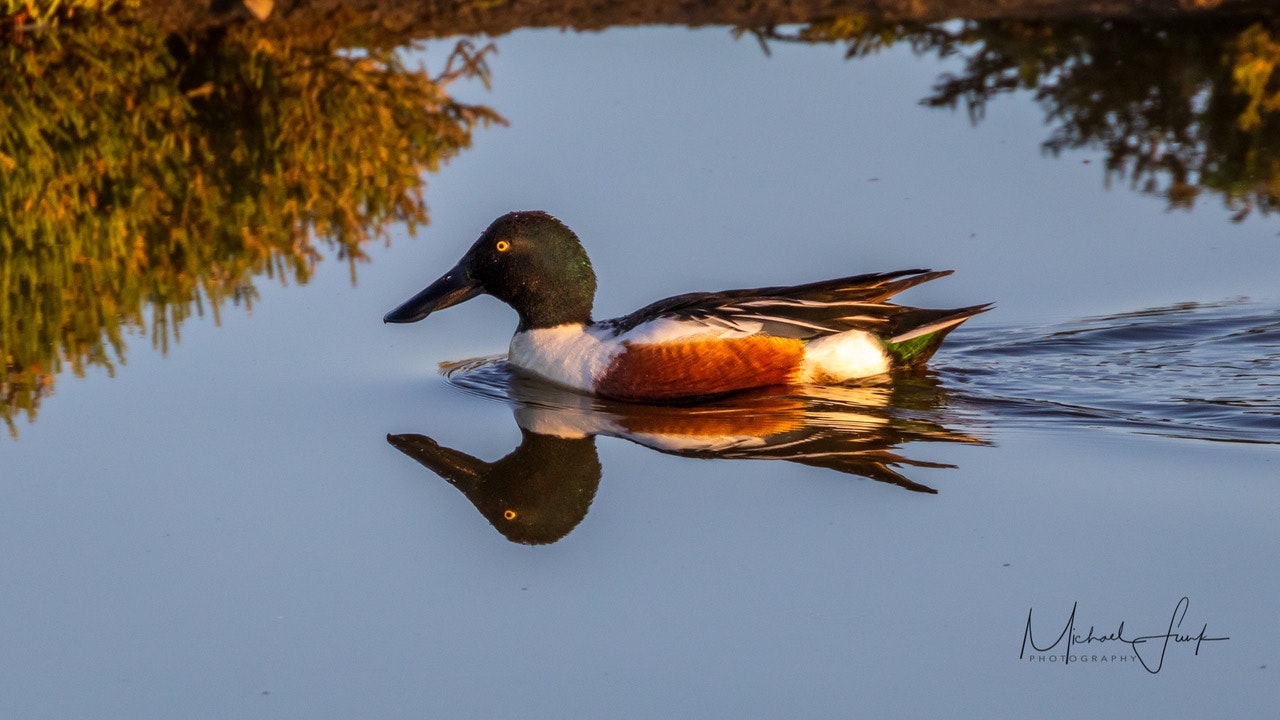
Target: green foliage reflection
<point x="42" y="11"/>
<point x="144" y="178"/>
<point x="1180" y="107"/>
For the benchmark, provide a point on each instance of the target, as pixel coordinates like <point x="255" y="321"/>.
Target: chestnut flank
<point x="695" y="368"/>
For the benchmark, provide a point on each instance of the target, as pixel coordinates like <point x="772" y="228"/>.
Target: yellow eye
<point x="503" y="246"/>
<point x="509" y="514"/>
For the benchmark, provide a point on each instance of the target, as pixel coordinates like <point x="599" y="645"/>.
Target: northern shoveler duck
<point x="687" y="346"/>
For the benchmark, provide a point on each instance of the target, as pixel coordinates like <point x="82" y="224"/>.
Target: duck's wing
<point x="805" y="311"/>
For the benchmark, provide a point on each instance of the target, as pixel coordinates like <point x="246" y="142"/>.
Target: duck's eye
<point x="502" y="246"/>
<point x="509" y="514"/>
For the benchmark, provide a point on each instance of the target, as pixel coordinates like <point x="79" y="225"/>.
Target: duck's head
<point x="529" y="260"/>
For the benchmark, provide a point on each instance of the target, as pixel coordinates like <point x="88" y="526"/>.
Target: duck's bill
<point x="454" y="287"/>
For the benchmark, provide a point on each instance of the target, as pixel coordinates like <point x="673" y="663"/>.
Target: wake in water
<point x="1202" y="371"/>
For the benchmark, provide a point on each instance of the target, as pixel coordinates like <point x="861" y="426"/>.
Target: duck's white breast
<point x="569" y="355"/>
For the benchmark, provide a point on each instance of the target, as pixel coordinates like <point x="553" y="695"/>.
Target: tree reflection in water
<point x="1180" y="106"/>
<point x="144" y="178"/>
<point x="543" y="488"/>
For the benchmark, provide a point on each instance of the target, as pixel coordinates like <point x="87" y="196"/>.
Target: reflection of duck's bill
<point x="456" y="467"/>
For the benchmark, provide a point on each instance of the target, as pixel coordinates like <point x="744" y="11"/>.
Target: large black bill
<point x="454" y="287"/>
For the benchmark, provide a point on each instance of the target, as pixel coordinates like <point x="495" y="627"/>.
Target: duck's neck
<point x="556" y="298"/>
<point x="549" y="312"/>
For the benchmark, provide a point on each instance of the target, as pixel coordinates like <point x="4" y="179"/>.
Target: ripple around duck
<point x="1202" y="371"/>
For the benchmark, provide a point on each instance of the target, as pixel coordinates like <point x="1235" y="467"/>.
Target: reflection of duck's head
<point x="690" y="346"/>
<point x="534" y="495"/>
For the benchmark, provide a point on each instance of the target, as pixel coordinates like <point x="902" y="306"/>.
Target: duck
<point x="687" y="347"/>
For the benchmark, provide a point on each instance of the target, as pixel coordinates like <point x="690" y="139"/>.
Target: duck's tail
<point x="918" y="333"/>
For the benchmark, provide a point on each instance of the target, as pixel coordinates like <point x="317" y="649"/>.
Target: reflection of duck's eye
<point x="503" y="246"/>
<point x="509" y="514"/>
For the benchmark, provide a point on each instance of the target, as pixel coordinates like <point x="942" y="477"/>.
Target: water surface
<point x="224" y="530"/>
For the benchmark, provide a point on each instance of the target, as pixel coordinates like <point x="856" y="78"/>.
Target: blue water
<point x="225" y="530"/>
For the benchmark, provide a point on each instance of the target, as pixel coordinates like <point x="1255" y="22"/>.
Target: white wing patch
<point x="665" y="329"/>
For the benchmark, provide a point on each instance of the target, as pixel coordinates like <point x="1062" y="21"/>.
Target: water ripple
<point x="1203" y="371"/>
<point x="1192" y="370"/>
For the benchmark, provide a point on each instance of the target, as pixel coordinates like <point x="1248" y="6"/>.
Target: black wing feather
<point x="800" y="311"/>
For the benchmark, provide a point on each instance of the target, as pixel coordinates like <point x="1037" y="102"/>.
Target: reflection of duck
<point x="542" y="489"/>
<point x="699" y="344"/>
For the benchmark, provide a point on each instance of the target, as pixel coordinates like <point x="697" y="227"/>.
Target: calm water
<point x="227" y="530"/>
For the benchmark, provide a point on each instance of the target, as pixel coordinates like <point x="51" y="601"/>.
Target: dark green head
<point x="530" y="261"/>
